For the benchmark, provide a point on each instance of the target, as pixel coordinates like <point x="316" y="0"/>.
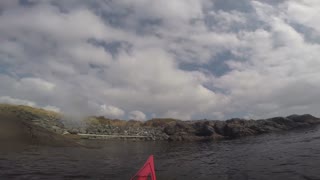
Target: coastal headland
<point x="24" y="124"/>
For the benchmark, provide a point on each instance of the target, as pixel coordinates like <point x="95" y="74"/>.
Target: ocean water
<point x="292" y="155"/>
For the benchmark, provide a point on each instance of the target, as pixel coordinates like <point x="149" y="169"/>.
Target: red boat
<point x="147" y="171"/>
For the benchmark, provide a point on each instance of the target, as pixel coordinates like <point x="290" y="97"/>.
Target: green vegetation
<point x="27" y="112"/>
<point x="32" y="113"/>
<point x="29" y="125"/>
<point x="37" y="116"/>
<point x="159" y="122"/>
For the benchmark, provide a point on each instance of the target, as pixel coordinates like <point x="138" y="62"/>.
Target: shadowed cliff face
<point x="26" y="125"/>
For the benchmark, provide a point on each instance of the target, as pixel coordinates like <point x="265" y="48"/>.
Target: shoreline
<point x="40" y="126"/>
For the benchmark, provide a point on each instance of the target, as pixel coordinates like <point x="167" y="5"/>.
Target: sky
<point x="143" y="59"/>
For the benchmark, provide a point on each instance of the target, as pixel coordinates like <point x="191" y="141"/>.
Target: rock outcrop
<point x="197" y="130"/>
<point x="235" y="128"/>
<point x="44" y="127"/>
<point x="27" y="125"/>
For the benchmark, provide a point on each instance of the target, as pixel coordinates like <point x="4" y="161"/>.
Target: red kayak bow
<point x="147" y="171"/>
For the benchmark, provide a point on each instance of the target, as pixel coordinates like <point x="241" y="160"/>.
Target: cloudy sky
<point x="139" y="59"/>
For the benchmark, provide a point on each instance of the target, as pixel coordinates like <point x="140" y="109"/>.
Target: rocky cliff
<point x="38" y="126"/>
<point x="177" y="130"/>
<point x="235" y="128"/>
<point x="27" y="125"/>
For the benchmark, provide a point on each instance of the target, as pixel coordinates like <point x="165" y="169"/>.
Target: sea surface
<point x="286" y="156"/>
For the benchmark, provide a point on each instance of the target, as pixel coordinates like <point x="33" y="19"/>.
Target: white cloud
<point x="78" y="56"/>
<point x="15" y="101"/>
<point x="304" y="12"/>
<point x="279" y="76"/>
<point x="110" y="111"/>
<point x="183" y="10"/>
<point x="137" y="115"/>
<point x="10" y="100"/>
<point x="52" y="108"/>
<point x="36" y="84"/>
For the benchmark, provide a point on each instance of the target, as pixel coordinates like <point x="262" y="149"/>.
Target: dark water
<point x="294" y="155"/>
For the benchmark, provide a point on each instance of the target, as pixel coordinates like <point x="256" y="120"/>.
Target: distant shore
<point x="38" y="126"/>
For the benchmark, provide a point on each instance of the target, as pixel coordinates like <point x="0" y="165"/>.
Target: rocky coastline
<point x="197" y="130"/>
<point x="43" y="126"/>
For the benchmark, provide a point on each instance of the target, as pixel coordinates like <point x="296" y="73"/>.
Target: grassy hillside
<point x="27" y="110"/>
<point x="44" y="118"/>
<point x="157" y="122"/>
<point x="24" y="124"/>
